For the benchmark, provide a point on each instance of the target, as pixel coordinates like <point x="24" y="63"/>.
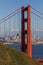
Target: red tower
<point x="26" y="32"/>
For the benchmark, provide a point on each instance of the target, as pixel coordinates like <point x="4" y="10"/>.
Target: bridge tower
<point x="26" y="32"/>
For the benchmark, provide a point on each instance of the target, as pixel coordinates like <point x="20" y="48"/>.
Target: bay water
<point x="37" y="50"/>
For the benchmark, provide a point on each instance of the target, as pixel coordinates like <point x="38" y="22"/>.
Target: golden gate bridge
<point x="27" y="22"/>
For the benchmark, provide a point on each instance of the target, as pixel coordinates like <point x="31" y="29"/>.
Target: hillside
<point x="9" y="56"/>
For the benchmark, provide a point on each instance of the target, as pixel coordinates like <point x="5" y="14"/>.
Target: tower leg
<point x="28" y="31"/>
<point x="29" y="40"/>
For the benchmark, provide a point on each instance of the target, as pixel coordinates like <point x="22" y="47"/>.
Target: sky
<point x="8" y="6"/>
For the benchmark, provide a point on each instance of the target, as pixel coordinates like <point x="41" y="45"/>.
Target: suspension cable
<point x="36" y="10"/>
<point x="37" y="15"/>
<point x="10" y="15"/>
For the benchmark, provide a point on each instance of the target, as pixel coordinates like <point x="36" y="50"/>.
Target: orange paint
<point x="28" y="31"/>
<point x="29" y="40"/>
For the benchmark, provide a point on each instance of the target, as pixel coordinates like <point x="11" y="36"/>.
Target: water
<point x="15" y="45"/>
<point x="37" y="50"/>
